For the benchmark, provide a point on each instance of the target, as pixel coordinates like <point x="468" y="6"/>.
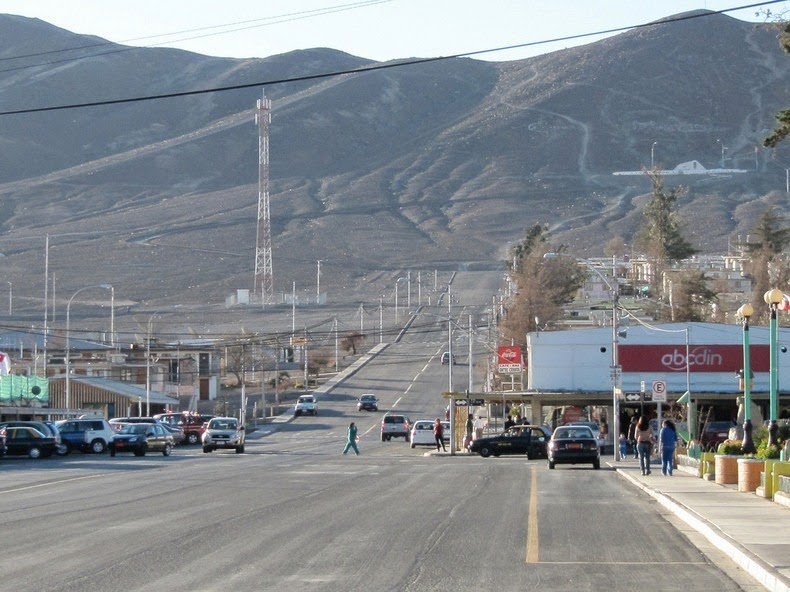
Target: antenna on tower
<point x="264" y="279"/>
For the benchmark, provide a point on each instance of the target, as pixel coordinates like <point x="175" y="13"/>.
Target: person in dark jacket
<point x="438" y="433"/>
<point x="632" y="435"/>
<point x="669" y="439"/>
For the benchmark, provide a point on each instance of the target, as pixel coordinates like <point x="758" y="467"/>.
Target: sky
<point x="380" y="30"/>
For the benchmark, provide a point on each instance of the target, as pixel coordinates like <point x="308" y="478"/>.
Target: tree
<point x="536" y="236"/>
<point x="239" y="360"/>
<point x="693" y="299"/>
<point x="765" y="266"/>
<point x="351" y="341"/>
<point x="783" y="118"/>
<point x="660" y="235"/>
<point x="546" y="281"/>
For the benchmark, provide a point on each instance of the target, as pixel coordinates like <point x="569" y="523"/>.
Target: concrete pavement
<point x="753" y="531"/>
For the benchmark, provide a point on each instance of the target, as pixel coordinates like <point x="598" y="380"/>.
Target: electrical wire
<point x="374" y="67"/>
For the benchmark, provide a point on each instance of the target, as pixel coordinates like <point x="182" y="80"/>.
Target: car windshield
<point x="221" y="424"/>
<point x="133" y="428"/>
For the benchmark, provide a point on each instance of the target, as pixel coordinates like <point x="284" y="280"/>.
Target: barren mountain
<point x="438" y="165"/>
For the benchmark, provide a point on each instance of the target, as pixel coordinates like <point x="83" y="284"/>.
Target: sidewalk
<point x="753" y="531"/>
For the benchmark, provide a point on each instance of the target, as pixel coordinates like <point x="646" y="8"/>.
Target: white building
<point x="581" y="360"/>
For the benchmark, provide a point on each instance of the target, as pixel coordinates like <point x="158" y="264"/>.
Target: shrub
<point x="730" y="447"/>
<point x="767" y="452"/>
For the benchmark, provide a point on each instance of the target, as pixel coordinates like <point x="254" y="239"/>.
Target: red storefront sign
<point x="509" y="359"/>
<point x="702" y="358"/>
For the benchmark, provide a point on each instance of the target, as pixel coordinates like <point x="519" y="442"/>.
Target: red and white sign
<point x="509" y="359"/>
<point x="701" y="358"/>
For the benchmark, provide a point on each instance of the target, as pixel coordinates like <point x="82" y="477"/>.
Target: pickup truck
<point x="306" y="405"/>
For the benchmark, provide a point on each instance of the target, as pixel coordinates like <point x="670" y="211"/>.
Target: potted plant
<point x="726" y="462"/>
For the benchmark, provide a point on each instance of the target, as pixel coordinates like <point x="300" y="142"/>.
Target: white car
<point x="422" y="432"/>
<point x="594" y="427"/>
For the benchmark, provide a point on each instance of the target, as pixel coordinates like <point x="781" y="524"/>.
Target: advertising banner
<point x="509" y="359"/>
<point x="701" y="358"/>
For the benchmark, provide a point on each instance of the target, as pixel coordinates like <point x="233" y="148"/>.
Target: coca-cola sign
<point x="510" y="360"/>
<point x="701" y="358"/>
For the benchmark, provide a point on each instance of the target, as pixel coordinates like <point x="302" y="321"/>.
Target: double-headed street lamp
<point x="748" y="447"/>
<point x="68" y="338"/>
<point x="773" y="298"/>
<point x="148" y="367"/>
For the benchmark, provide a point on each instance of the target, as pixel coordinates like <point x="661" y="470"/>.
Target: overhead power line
<point x="376" y="67"/>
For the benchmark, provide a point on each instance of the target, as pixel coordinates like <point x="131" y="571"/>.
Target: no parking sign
<point x="659" y="391"/>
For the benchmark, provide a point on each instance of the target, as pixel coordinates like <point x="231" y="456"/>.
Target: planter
<point x="749" y="473"/>
<point x="726" y="469"/>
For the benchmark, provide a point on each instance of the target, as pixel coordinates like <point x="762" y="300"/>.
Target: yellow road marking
<point x="532" y="519"/>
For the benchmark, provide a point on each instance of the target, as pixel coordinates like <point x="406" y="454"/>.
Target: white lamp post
<point x="773" y="298"/>
<point x="148" y="367"/>
<point x="653" y="155"/>
<point x="68" y="338"/>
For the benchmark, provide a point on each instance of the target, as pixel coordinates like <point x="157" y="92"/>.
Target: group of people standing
<point x="643" y="439"/>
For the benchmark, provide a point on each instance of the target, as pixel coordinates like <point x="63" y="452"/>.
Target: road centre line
<point x="532" y="519"/>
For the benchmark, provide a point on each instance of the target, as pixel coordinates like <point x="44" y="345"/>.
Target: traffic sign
<point x="477" y="402"/>
<point x="633" y="397"/>
<point x="659" y="391"/>
<point x="461" y="402"/>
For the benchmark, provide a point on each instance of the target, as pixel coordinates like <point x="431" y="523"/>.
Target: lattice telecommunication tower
<point x="264" y="279"/>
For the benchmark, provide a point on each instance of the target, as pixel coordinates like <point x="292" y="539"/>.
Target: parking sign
<point x="659" y="391"/>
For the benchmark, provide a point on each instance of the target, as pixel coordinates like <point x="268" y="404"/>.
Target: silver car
<point x="224" y="432"/>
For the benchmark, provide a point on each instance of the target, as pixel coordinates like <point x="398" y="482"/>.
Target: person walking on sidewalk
<point x="438" y="433"/>
<point x="644" y="443"/>
<point x="668" y="438"/>
<point x="632" y="435"/>
<point x="352" y="439"/>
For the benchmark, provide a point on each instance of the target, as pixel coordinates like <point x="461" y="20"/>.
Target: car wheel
<point x="34" y="452"/>
<point x="596" y="464"/>
<point x="139" y="452"/>
<point x="98" y="446"/>
<point x="551" y="464"/>
<point x="112" y="451"/>
<point x="61" y="450"/>
<point x="485" y="451"/>
<point x="207" y="449"/>
<point x="496" y="454"/>
<point x="240" y="449"/>
<point x="193" y="438"/>
<point x="383" y="438"/>
<point x="168" y="449"/>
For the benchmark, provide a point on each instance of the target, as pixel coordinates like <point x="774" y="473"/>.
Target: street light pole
<point x="773" y="298"/>
<point x="148" y="367"/>
<point x="653" y="156"/>
<point x="10" y="298"/>
<point x="68" y="340"/>
<point x="748" y="447"/>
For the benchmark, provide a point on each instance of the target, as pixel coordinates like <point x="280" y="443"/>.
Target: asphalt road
<point x="293" y="514"/>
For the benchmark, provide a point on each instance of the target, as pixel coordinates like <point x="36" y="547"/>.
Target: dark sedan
<point x="28" y="441"/>
<point x="368" y="403"/>
<point x="521" y="439"/>
<point x="574" y="445"/>
<point x="139" y="438"/>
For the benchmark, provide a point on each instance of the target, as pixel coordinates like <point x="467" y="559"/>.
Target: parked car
<point x="88" y="434"/>
<point x="368" y="402"/>
<point x="306" y="405"/>
<point x="176" y="432"/>
<point x="224" y="432"/>
<point x="3" y="448"/>
<point x="395" y="426"/>
<point x="139" y="438"/>
<point x="28" y="441"/>
<point x="531" y="440"/>
<point x="422" y="432"/>
<point x="48" y="428"/>
<point x="714" y="433"/>
<point x="446" y="358"/>
<point x="192" y="424"/>
<point x="574" y="445"/>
